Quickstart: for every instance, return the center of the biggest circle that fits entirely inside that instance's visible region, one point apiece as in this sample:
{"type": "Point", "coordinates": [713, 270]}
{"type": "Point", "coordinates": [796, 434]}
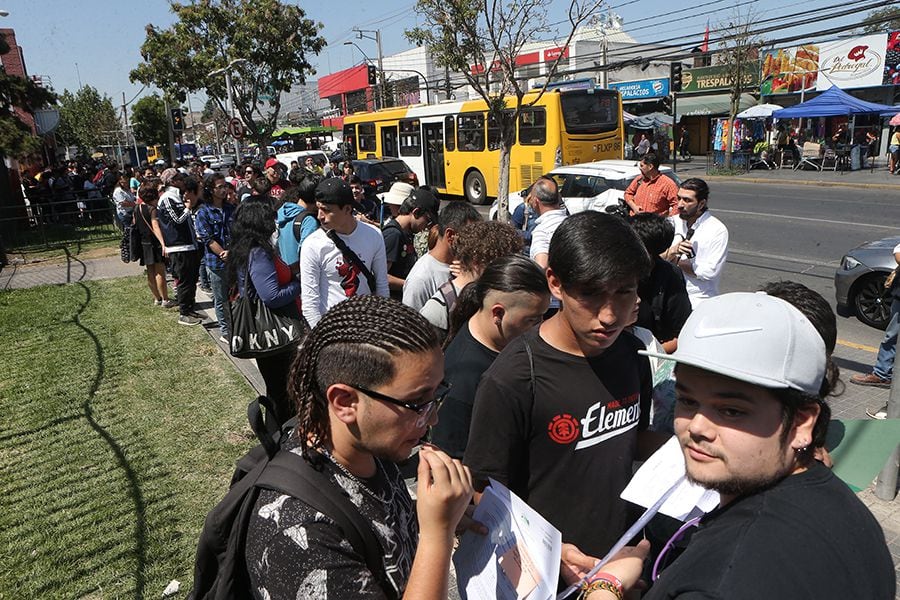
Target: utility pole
{"type": "Point", "coordinates": [169, 130]}
{"type": "Point", "coordinates": [361, 33]}
{"type": "Point", "coordinates": [137, 157]}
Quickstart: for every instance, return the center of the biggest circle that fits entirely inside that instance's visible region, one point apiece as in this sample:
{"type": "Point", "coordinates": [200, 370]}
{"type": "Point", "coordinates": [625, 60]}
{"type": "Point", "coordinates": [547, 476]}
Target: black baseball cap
{"type": "Point", "coordinates": [334, 190]}
{"type": "Point", "coordinates": [423, 199]}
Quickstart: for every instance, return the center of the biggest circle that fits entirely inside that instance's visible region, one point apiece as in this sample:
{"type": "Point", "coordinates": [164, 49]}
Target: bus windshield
{"type": "Point", "coordinates": [590, 111]}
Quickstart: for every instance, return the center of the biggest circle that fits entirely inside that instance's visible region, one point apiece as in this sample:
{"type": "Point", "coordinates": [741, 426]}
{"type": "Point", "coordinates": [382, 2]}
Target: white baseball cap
{"type": "Point", "coordinates": [399, 192]}
{"type": "Point", "coordinates": [752, 337]}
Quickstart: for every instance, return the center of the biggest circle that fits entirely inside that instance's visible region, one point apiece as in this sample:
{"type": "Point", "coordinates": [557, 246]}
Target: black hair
{"type": "Point", "coordinates": [656, 232]}
{"type": "Point", "coordinates": [209, 182]}
{"type": "Point", "coordinates": [651, 159]}
{"type": "Point", "coordinates": [178, 177]}
{"type": "Point", "coordinates": [698, 186]}
{"type": "Point", "coordinates": [592, 252]}
{"type": "Point", "coordinates": [455, 214]}
{"type": "Point", "coordinates": [261, 186]}
{"type": "Point", "coordinates": [510, 274]}
{"type": "Point", "coordinates": [355, 343]}
{"type": "Point", "coordinates": [252, 226]}
{"type": "Point", "coordinates": [149, 190]}
{"type": "Point", "coordinates": [817, 310]}
{"type": "Point", "coordinates": [354, 179]}
{"type": "Point", "coordinates": [306, 188]}
{"type": "Point", "coordinates": [191, 184]}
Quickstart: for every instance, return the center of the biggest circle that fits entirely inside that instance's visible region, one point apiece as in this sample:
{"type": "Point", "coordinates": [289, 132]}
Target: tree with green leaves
{"type": "Point", "coordinates": [151, 124]}
{"type": "Point", "coordinates": [16, 139]}
{"type": "Point", "coordinates": [739, 53]}
{"type": "Point", "coordinates": [273, 41]}
{"type": "Point", "coordinates": [881, 20]}
{"type": "Point", "coordinates": [490, 35]}
{"type": "Point", "coordinates": [87, 120]}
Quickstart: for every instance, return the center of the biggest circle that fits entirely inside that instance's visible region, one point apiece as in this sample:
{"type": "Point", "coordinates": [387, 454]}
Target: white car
{"type": "Point", "coordinates": [209, 158]}
{"type": "Point", "coordinates": [590, 186]}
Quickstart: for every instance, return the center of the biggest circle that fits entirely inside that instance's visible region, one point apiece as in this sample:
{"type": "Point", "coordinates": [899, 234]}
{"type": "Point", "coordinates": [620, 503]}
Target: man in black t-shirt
{"type": "Point", "coordinates": [561, 414]}
{"type": "Point", "coordinates": [418, 212]}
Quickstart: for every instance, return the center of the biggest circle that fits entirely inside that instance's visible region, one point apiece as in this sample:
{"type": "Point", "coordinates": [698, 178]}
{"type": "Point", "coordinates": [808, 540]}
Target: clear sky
{"type": "Point", "coordinates": [97, 42]}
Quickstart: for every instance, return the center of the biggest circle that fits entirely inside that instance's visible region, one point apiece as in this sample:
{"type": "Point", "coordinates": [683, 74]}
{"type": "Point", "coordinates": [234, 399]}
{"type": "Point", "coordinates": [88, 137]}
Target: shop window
{"type": "Point", "coordinates": [533, 127]}
{"type": "Point", "coordinates": [410, 138]}
{"type": "Point", "coordinates": [470, 132]}
{"type": "Point", "coordinates": [366, 134]}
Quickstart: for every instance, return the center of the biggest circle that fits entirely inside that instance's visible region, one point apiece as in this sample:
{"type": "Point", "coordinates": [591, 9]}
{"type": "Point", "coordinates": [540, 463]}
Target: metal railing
{"type": "Point", "coordinates": [58, 222]}
{"type": "Point", "coordinates": [740, 160]}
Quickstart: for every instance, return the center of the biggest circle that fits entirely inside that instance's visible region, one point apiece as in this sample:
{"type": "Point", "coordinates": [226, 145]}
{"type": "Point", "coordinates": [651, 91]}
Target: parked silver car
{"type": "Point", "coordinates": [859, 282]}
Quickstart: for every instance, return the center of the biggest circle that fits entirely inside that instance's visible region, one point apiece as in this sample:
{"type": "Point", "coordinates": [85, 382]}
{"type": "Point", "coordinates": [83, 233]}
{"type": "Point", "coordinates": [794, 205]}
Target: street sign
{"type": "Point", "coordinates": [236, 128]}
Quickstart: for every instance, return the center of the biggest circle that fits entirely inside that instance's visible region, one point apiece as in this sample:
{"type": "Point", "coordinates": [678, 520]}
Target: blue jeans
{"type": "Point", "coordinates": [220, 296]}
{"type": "Point", "coordinates": [884, 364]}
{"type": "Point", "coordinates": [204, 276]}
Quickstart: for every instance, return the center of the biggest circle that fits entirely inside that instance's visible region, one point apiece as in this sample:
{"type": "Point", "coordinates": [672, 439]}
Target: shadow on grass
{"type": "Point", "coordinates": [134, 488]}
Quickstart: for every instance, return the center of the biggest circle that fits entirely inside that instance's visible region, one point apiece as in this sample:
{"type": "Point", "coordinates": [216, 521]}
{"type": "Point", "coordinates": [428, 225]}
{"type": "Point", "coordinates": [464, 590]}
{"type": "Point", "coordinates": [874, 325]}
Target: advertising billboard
{"type": "Point", "coordinates": [854, 63]}
{"type": "Point", "coordinates": [705, 79]}
{"type": "Point", "coordinates": [642, 89]}
{"type": "Point", "coordinates": [789, 70]}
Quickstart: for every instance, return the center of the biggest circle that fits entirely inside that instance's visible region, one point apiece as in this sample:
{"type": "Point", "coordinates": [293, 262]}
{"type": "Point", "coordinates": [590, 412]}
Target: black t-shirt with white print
{"type": "Point", "coordinates": [294, 552]}
{"type": "Point", "coordinates": [567, 447]}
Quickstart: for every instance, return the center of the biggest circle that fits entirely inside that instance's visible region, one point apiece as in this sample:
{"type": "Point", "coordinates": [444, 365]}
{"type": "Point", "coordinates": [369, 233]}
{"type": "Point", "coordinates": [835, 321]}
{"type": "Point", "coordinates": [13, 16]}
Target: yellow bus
{"type": "Point", "coordinates": [154, 153]}
{"type": "Point", "coordinates": [454, 147]}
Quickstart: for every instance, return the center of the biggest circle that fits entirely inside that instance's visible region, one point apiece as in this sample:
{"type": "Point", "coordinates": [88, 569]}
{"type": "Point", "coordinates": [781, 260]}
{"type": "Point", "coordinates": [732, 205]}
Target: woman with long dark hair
{"type": "Point", "coordinates": [252, 253]}
{"type": "Point", "coordinates": [510, 297]}
{"type": "Point", "coordinates": [147, 222]}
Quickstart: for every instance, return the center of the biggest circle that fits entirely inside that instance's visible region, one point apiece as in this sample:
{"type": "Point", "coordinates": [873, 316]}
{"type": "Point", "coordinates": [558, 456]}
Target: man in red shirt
{"type": "Point", "coordinates": [651, 191]}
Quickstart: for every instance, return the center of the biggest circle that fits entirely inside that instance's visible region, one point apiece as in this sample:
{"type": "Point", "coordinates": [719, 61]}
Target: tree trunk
{"type": "Point", "coordinates": [503, 214]}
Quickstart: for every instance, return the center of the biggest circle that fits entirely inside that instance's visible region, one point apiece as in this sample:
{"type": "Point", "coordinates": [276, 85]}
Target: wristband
{"type": "Point", "coordinates": [604, 581]}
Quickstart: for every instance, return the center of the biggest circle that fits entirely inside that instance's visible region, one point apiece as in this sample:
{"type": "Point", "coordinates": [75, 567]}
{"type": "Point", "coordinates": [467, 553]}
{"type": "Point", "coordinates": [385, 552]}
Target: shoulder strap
{"type": "Point", "coordinates": [291, 474]}
{"type": "Point", "coordinates": [298, 223]}
{"type": "Point", "coordinates": [448, 293]}
{"type": "Point", "coordinates": [353, 258]}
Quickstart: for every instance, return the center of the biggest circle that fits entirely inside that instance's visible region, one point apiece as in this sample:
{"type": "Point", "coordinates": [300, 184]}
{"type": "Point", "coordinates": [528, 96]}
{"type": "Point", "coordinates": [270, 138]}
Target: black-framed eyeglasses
{"type": "Point", "coordinates": [424, 410]}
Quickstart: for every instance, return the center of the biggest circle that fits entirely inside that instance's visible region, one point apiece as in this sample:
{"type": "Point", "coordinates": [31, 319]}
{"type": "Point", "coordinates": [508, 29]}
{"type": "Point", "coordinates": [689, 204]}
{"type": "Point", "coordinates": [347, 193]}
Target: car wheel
{"type": "Point", "coordinates": [872, 303]}
{"type": "Point", "coordinates": [476, 188]}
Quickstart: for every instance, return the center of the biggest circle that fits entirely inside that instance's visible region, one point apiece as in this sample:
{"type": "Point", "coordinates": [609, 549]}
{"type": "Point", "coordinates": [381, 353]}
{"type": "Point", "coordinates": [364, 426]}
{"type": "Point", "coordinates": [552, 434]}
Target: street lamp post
{"type": "Point", "coordinates": [368, 62]}
{"type": "Point", "coordinates": [227, 71]}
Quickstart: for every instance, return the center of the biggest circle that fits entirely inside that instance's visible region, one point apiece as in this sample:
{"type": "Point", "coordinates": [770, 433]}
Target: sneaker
{"type": "Point", "coordinates": [189, 320]}
{"type": "Point", "coordinates": [168, 304]}
{"type": "Point", "coordinates": [871, 380]}
{"type": "Point", "coordinates": [205, 289]}
{"type": "Point", "coordinates": [879, 414]}
{"type": "Point", "coordinates": [157, 302]}
{"type": "Point", "coordinates": [196, 315]}
{"type": "Point", "coordinates": [223, 339]}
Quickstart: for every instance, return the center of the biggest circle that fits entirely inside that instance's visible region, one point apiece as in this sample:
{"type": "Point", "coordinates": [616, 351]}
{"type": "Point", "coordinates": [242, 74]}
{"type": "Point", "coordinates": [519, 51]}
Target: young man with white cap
{"type": "Point", "coordinates": [751, 384]}
{"type": "Point", "coordinates": [418, 212]}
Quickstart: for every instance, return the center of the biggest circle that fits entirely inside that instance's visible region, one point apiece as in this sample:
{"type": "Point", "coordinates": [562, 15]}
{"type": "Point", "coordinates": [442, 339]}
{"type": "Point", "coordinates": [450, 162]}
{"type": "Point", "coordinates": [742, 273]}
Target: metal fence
{"type": "Point", "coordinates": [59, 222]}
{"type": "Point", "coordinates": [740, 160]}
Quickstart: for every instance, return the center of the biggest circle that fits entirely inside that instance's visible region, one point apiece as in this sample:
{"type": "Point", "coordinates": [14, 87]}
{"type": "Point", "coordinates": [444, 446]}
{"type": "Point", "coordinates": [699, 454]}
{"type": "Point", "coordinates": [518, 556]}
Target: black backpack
{"type": "Point", "coordinates": [220, 570]}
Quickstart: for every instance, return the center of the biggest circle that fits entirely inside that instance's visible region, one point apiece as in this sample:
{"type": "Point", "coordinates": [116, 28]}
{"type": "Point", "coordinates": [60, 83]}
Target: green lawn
{"type": "Point", "coordinates": [118, 432]}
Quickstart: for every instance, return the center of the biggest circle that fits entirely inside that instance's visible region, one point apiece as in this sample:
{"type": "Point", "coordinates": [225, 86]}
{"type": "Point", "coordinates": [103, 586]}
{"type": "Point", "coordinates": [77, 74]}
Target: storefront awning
{"type": "Point", "coordinates": [712, 106]}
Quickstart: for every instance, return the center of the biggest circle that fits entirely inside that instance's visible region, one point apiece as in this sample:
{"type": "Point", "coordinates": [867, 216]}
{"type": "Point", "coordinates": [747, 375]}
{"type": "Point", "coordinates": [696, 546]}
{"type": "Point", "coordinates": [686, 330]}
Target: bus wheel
{"type": "Point", "coordinates": [476, 188]}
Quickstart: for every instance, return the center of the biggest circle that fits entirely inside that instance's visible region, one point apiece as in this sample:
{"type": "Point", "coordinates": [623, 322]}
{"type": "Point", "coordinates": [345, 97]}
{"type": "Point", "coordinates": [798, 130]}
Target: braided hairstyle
{"type": "Point", "coordinates": [354, 343]}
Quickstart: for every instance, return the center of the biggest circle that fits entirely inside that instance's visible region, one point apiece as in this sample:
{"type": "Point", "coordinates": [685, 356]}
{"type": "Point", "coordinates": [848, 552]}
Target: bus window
{"type": "Point", "coordinates": [493, 132]}
{"type": "Point", "coordinates": [350, 141]}
{"type": "Point", "coordinates": [366, 132]}
{"type": "Point", "coordinates": [470, 133]}
{"type": "Point", "coordinates": [449, 133]}
{"type": "Point", "coordinates": [410, 138]}
{"type": "Point", "coordinates": [533, 127]}
{"type": "Point", "coordinates": [585, 112]}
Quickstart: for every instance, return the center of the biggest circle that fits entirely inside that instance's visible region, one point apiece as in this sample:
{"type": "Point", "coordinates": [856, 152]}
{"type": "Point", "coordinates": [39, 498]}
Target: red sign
{"type": "Point", "coordinates": [552, 54]}
{"type": "Point", "coordinates": [528, 59]}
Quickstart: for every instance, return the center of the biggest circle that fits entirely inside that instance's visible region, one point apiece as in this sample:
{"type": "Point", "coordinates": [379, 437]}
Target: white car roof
{"type": "Point", "coordinates": [612, 169]}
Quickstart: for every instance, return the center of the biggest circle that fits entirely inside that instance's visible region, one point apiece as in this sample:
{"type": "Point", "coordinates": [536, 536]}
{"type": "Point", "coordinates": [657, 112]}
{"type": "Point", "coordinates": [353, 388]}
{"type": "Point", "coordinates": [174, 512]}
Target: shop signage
{"type": "Point", "coordinates": [854, 63]}
{"type": "Point", "coordinates": [716, 78]}
{"type": "Point", "coordinates": [553, 53]}
{"type": "Point", "coordinates": [642, 89]}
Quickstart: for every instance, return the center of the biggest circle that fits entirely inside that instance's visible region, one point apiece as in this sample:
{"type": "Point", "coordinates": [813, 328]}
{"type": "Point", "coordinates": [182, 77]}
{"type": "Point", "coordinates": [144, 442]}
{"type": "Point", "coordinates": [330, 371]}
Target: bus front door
{"type": "Point", "coordinates": [389, 141]}
{"type": "Point", "coordinates": [434, 155]}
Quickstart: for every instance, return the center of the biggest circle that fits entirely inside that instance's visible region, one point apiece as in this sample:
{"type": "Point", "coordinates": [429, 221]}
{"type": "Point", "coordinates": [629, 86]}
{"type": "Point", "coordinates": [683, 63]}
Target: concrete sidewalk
{"type": "Point", "coordinates": [879, 178]}
{"type": "Point", "coordinates": [851, 404]}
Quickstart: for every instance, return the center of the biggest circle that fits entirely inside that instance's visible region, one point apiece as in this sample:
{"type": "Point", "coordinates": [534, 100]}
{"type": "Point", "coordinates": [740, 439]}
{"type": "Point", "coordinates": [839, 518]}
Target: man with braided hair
{"type": "Point", "coordinates": [367, 383]}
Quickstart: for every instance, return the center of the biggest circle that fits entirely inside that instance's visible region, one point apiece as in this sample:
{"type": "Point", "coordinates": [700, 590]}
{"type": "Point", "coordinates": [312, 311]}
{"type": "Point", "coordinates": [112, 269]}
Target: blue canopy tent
{"type": "Point", "coordinates": [832, 102]}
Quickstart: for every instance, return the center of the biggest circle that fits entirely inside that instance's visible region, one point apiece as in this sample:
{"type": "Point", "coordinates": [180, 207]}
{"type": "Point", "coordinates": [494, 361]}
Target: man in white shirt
{"type": "Point", "coordinates": [546, 202]}
{"type": "Point", "coordinates": [701, 242]}
{"type": "Point", "coordinates": [330, 274]}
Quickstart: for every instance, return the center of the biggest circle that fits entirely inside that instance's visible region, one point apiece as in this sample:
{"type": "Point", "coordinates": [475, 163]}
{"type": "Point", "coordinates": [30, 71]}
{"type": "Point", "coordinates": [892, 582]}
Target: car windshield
{"type": "Point", "coordinates": [590, 111]}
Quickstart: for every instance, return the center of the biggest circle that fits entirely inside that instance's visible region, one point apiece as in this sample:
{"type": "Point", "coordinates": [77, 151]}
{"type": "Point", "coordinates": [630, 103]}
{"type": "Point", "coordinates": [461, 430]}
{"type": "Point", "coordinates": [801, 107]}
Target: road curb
{"type": "Point", "coordinates": [849, 184]}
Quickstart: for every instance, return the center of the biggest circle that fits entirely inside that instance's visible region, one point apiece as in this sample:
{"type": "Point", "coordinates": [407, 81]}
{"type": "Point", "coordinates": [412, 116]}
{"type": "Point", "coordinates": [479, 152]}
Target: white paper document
{"type": "Point", "coordinates": [519, 557]}
{"type": "Point", "coordinates": [658, 474]}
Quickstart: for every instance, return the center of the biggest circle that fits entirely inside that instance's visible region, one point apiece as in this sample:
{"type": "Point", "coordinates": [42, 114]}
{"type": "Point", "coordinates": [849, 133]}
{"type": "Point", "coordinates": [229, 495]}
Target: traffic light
{"type": "Point", "coordinates": [177, 119]}
{"type": "Point", "coordinates": [373, 74]}
{"type": "Point", "coordinates": [675, 76]}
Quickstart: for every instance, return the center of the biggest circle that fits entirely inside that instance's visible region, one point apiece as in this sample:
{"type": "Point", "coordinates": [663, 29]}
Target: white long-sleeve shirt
{"type": "Point", "coordinates": [710, 243]}
{"type": "Point", "coordinates": [327, 279]}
